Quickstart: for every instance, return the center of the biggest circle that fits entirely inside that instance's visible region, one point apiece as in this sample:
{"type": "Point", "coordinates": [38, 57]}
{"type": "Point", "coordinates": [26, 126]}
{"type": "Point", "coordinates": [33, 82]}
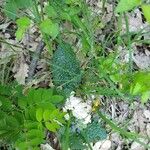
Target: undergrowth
{"type": "Point", "coordinates": [28, 113]}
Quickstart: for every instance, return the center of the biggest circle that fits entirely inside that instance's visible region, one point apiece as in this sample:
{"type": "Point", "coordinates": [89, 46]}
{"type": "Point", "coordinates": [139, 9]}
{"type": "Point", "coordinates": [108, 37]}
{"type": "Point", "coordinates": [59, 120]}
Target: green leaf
{"type": "Point", "coordinates": [146, 12]}
{"type": "Point", "coordinates": [76, 142]}
{"type": "Point", "coordinates": [50, 11]}
{"type": "Point", "coordinates": [34, 133]}
{"type": "Point", "coordinates": [32, 113]}
{"type": "Point", "coordinates": [74, 11]}
{"type": "Point", "coordinates": [66, 69]}
{"type": "Point", "coordinates": [39, 96]}
{"type": "Point", "coordinates": [10, 10]}
{"type": "Point", "coordinates": [127, 5]}
{"type": "Point", "coordinates": [46, 115]}
{"type": "Point", "coordinates": [22, 103]}
{"type": "Point", "coordinates": [94, 132]}
{"type": "Point", "coordinates": [145, 96]}
{"type": "Point", "coordinates": [12, 7]}
{"type": "Point", "coordinates": [5, 103]}
{"type": "Point", "coordinates": [22, 145]}
{"type": "Point", "coordinates": [65, 16]}
{"type": "Point", "coordinates": [31, 124]}
{"type": "Point", "coordinates": [23, 23]}
{"type": "Point", "coordinates": [57, 115]}
{"type": "Point", "coordinates": [19, 116]}
{"type": "Point", "coordinates": [56, 99]}
{"type": "Point", "coordinates": [36, 141]}
{"type": "Point", "coordinates": [50, 28]}
{"type": "Point", "coordinates": [23, 3]}
{"type": "Point", "coordinates": [136, 89]}
{"type": "Point", "coordinates": [52, 126]}
{"type": "Point", "coordinates": [12, 122]}
{"type": "Point", "coordinates": [39, 114]}
{"type": "Point", "coordinates": [20, 34]}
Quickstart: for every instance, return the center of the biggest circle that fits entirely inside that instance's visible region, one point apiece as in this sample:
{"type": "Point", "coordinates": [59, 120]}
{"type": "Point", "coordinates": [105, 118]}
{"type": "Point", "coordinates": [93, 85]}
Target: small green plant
{"type": "Point", "coordinates": [49, 19]}
{"type": "Point", "coordinates": [136, 85]}
{"type": "Point", "coordinates": [24, 119]}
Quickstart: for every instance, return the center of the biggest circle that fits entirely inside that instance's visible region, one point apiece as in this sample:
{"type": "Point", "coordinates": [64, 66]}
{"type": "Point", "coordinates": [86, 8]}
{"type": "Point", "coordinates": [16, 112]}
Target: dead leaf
{"type": "Point", "coordinates": [22, 73]}
{"type": "Point", "coordinates": [102, 145]}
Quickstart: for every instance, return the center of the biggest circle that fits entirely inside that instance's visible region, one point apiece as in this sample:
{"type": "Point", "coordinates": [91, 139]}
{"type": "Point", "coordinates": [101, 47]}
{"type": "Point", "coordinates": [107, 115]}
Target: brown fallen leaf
{"type": "Point", "coordinates": [22, 73]}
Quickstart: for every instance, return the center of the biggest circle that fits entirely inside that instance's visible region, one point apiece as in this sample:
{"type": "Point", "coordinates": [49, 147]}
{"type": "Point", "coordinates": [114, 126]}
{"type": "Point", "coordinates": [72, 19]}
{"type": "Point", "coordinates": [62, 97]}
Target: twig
{"type": "Point", "coordinates": [35, 59]}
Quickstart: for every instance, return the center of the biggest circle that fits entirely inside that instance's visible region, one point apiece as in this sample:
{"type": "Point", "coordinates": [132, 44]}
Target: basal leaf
{"type": "Point", "coordinates": [66, 70]}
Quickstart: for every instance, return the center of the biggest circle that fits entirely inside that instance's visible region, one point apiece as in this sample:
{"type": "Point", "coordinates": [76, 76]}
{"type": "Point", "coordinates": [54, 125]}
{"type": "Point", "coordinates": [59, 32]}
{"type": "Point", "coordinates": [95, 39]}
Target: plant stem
{"type": "Point", "coordinates": [129, 44]}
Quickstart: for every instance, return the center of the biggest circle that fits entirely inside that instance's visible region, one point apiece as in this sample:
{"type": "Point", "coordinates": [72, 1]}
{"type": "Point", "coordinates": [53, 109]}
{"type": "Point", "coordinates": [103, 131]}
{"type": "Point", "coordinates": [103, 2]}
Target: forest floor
{"type": "Point", "coordinates": [15, 58]}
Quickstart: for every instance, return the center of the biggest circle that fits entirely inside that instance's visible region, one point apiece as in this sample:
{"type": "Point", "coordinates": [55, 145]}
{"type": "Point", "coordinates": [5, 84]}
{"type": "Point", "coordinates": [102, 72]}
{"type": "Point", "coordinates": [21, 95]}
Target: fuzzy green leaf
{"type": "Point", "coordinates": [95, 132]}
{"type": "Point", "coordinates": [66, 70]}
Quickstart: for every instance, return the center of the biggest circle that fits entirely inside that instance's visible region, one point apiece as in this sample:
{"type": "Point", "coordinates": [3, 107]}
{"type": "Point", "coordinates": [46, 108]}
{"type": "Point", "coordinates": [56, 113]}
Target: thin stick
{"type": "Point", "coordinates": [35, 59]}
